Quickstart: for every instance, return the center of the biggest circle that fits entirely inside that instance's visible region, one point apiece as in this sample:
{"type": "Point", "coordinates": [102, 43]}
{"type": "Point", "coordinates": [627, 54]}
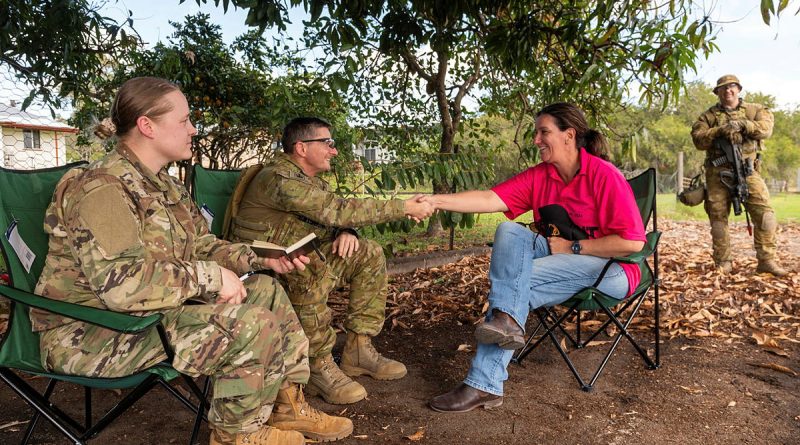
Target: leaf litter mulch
{"type": "Point", "coordinates": [729, 364]}
{"type": "Point", "coordinates": [696, 300]}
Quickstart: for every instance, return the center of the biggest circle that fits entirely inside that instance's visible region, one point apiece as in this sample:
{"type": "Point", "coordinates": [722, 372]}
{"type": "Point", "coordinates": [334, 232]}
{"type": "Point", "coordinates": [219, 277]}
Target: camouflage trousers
{"type": "Point", "coordinates": [718, 208]}
{"type": "Point", "coordinates": [308, 290]}
{"type": "Point", "coordinates": [248, 350]}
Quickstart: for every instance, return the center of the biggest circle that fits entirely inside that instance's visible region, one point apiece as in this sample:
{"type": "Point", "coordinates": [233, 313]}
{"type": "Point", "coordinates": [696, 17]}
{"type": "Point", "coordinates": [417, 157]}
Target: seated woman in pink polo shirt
{"type": "Point", "coordinates": [529, 270]}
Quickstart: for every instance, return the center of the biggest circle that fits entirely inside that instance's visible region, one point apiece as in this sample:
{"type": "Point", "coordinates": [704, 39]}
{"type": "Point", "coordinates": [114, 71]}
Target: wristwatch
{"type": "Point", "coordinates": [576, 247]}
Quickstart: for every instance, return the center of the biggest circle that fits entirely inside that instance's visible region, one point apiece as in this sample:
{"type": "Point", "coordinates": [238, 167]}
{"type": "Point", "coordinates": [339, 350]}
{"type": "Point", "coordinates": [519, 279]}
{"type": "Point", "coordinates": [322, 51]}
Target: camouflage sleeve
{"type": "Point", "coordinates": [300, 196]}
{"type": "Point", "coordinates": [234, 256]}
{"type": "Point", "coordinates": [761, 126]}
{"type": "Point", "coordinates": [703, 132]}
{"type": "Point", "coordinates": [105, 232]}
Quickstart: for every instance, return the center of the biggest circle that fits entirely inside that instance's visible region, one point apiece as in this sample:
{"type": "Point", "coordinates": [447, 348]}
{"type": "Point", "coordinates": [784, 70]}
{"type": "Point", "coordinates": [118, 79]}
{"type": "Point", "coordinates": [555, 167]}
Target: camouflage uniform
{"type": "Point", "coordinates": [125, 239]}
{"type": "Point", "coordinates": [281, 205]}
{"type": "Point", "coordinates": [758, 126]}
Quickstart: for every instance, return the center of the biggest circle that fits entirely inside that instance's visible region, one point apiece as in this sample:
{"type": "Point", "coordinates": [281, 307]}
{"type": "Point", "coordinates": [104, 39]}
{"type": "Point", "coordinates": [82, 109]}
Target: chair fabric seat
{"type": "Point", "coordinates": [587, 303]}
{"type": "Point", "coordinates": [166, 372]}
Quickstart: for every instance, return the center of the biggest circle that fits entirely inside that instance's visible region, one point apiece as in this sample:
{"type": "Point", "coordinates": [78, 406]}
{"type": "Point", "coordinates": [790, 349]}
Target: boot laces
{"type": "Point", "coordinates": [305, 408]}
{"type": "Point", "coordinates": [257, 436]}
{"type": "Point", "coordinates": [370, 348]}
{"type": "Point", "coordinates": [336, 374]}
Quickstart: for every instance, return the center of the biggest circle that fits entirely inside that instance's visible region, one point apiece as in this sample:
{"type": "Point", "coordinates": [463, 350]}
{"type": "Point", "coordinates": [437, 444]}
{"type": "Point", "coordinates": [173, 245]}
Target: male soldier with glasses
{"type": "Point", "coordinates": [283, 203]}
{"type": "Point", "coordinates": [745, 125]}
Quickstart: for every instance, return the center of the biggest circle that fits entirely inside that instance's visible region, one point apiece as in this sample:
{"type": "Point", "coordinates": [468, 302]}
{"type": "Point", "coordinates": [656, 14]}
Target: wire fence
{"type": "Point", "coordinates": [33, 138]}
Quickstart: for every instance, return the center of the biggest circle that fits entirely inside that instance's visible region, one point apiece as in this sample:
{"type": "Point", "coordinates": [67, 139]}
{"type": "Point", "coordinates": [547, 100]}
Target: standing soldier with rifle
{"type": "Point", "coordinates": [732, 134]}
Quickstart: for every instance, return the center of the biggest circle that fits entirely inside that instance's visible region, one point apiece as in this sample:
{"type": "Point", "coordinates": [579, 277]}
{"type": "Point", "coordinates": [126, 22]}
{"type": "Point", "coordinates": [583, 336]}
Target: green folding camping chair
{"type": "Point", "coordinates": [24, 197]}
{"type": "Point", "coordinates": [620, 313]}
{"type": "Point", "coordinates": [211, 191]}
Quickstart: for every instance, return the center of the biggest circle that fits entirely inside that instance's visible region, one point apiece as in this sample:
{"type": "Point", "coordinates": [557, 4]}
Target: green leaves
{"type": "Point", "coordinates": [238, 105]}
{"type": "Point", "coordinates": [59, 46]}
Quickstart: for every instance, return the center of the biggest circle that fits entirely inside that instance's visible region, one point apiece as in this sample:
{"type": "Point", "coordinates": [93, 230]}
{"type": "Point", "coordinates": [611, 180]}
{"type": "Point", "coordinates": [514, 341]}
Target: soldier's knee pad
{"type": "Point", "coordinates": [719, 229]}
{"type": "Point", "coordinates": [768, 222]}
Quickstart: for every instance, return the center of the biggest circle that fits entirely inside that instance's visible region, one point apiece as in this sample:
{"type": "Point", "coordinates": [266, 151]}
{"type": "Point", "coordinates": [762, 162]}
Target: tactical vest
{"type": "Point", "coordinates": [716, 116]}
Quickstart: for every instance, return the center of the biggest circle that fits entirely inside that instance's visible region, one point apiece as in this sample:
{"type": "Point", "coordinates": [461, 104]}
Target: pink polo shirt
{"type": "Point", "coordinates": [598, 199]}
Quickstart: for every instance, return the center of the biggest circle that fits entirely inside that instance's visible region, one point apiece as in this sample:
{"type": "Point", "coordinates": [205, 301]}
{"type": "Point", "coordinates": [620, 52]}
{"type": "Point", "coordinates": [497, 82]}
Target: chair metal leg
{"type": "Point", "coordinates": [87, 406]}
{"type": "Point", "coordinates": [202, 406]}
{"type": "Point", "coordinates": [657, 317]}
{"type": "Point", "coordinates": [549, 330]}
{"type": "Point", "coordinates": [32, 423]}
{"type": "Point", "coordinates": [122, 406]}
{"type": "Point", "coordinates": [624, 331]}
{"type": "Point", "coordinates": [42, 405]}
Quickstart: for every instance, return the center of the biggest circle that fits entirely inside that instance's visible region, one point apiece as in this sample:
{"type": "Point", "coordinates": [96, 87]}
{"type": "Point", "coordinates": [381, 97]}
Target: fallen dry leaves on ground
{"type": "Point", "coordinates": [695, 300]}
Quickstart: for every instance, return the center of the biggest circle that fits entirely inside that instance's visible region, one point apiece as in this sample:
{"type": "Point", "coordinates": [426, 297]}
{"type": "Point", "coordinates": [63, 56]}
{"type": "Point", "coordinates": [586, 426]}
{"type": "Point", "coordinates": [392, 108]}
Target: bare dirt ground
{"type": "Point", "coordinates": [729, 375]}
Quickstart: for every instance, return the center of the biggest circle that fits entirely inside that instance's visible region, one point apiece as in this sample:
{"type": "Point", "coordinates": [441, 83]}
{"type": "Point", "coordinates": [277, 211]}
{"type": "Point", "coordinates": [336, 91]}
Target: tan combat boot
{"type": "Point", "coordinates": [292, 412]}
{"type": "Point", "coordinates": [360, 357]}
{"type": "Point", "coordinates": [328, 381]}
{"type": "Point", "coordinates": [267, 435]}
{"type": "Point", "coordinates": [770, 266]}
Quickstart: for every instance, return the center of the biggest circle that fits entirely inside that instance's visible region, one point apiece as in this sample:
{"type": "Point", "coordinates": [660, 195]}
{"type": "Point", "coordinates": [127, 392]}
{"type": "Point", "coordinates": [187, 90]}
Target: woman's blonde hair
{"type": "Point", "coordinates": [140, 96]}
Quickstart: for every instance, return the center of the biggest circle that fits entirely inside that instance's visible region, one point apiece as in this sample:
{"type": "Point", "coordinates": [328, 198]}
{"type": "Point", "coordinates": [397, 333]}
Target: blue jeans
{"type": "Point", "coordinates": [524, 276]}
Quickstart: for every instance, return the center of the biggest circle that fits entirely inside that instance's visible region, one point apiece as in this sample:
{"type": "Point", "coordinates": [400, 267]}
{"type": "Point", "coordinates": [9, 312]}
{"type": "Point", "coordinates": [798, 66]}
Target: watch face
{"type": "Point", "coordinates": [576, 247]}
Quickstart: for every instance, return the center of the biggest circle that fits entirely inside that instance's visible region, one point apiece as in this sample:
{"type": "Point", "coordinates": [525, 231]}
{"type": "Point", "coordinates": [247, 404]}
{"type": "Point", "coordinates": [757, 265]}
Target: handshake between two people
{"type": "Point", "coordinates": [418, 208]}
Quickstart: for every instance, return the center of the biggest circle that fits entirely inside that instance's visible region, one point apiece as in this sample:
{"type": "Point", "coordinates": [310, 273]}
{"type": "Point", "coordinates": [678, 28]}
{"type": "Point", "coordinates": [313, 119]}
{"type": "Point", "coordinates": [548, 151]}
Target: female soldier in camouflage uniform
{"type": "Point", "coordinates": [125, 236]}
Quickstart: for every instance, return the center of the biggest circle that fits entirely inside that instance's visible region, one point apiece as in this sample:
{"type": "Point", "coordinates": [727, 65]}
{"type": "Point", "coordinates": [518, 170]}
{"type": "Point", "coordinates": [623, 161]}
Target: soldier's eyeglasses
{"type": "Point", "coordinates": [328, 141]}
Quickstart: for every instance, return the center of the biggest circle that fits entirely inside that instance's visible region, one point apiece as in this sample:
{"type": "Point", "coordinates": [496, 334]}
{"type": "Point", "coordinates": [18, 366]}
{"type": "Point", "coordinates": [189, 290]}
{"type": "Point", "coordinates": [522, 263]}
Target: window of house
{"type": "Point", "coordinates": [32, 139]}
{"type": "Point", "coordinates": [370, 154]}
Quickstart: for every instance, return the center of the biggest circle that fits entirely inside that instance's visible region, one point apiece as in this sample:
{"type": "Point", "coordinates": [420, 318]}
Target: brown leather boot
{"type": "Point", "coordinates": [292, 412]}
{"type": "Point", "coordinates": [771, 266]}
{"type": "Point", "coordinates": [464, 398]}
{"type": "Point", "coordinates": [265, 436]}
{"type": "Point", "coordinates": [360, 357]}
{"type": "Point", "coordinates": [329, 382]}
{"type": "Point", "coordinates": [501, 330]}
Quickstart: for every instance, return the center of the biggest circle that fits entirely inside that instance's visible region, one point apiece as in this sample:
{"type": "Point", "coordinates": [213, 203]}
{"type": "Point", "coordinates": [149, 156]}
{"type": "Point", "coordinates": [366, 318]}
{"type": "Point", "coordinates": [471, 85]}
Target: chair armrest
{"type": "Point", "coordinates": [649, 247]}
{"type": "Point", "coordinates": [117, 321]}
{"type": "Point", "coordinates": [634, 258]}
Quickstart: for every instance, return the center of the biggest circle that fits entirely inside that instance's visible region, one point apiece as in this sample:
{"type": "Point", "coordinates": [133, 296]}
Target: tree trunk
{"type": "Point", "coordinates": [448, 131]}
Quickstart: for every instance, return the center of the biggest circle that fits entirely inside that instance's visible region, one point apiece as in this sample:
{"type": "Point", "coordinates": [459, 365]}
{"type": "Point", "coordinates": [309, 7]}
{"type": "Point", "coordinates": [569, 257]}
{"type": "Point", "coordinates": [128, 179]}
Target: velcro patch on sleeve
{"type": "Point", "coordinates": [110, 220]}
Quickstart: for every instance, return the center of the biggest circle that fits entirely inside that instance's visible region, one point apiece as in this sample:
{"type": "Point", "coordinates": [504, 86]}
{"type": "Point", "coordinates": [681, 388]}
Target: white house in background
{"type": "Point", "coordinates": [373, 152]}
{"type": "Point", "coordinates": [30, 141]}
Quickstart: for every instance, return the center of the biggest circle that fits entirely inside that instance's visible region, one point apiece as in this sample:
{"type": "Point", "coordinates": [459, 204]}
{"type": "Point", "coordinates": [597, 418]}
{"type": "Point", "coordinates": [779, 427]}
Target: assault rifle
{"type": "Point", "coordinates": [736, 178]}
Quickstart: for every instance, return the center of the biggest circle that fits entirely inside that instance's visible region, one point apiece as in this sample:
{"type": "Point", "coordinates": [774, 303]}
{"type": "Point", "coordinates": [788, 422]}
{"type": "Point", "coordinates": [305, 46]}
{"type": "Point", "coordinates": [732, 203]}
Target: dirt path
{"type": "Point", "coordinates": [706, 392]}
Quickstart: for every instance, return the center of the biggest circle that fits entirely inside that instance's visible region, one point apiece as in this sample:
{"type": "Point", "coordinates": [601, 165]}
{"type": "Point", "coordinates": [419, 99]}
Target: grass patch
{"type": "Point", "coordinates": [786, 205]}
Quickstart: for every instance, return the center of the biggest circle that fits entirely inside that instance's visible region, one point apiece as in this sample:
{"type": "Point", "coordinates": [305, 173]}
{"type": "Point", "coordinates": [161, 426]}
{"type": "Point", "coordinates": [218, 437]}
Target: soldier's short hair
{"type": "Point", "coordinates": [301, 128]}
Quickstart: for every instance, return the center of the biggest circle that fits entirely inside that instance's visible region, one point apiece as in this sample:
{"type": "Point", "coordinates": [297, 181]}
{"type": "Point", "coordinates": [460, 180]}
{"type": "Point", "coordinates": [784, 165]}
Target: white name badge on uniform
{"type": "Point", "coordinates": [207, 214]}
{"type": "Point", "coordinates": [24, 253]}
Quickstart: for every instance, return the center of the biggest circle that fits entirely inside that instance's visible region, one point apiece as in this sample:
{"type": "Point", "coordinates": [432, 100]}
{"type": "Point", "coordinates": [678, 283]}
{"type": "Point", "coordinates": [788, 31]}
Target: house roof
{"type": "Point", "coordinates": [15, 118]}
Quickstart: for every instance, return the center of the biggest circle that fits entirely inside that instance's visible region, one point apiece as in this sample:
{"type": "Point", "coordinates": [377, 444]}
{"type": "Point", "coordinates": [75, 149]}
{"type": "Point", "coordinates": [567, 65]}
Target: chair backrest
{"type": "Point", "coordinates": [24, 197]}
{"type": "Point", "coordinates": [213, 189]}
{"type": "Point", "coordinates": [644, 190]}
